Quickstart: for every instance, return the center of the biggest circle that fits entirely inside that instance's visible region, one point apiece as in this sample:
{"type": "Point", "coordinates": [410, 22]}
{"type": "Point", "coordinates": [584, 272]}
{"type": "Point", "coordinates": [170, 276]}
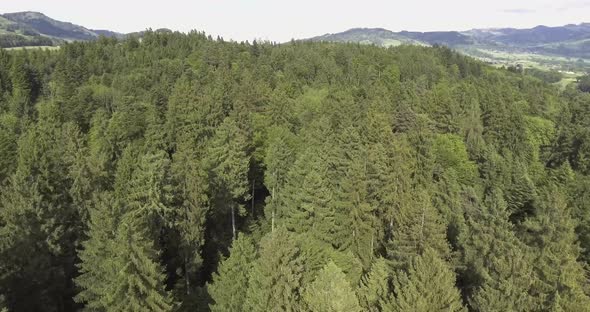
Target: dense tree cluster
{"type": "Point", "coordinates": [177, 172]}
{"type": "Point", "coordinates": [584, 83]}
{"type": "Point", "coordinates": [11, 40]}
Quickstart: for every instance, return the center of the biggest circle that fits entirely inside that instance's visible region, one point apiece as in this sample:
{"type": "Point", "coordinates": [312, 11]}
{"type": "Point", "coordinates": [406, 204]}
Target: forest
{"type": "Point", "coordinates": [181, 172]}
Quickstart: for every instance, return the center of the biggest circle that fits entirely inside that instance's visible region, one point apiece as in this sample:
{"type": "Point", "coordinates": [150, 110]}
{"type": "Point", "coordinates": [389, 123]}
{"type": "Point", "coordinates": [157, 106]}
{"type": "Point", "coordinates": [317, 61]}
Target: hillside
{"type": "Point", "coordinates": [36, 29]}
{"type": "Point", "coordinates": [564, 48]}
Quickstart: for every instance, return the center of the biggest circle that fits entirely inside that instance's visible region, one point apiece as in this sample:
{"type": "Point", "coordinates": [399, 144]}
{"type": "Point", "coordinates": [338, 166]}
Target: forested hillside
{"type": "Point", "coordinates": [22, 29]}
{"type": "Point", "coordinates": [183, 173]}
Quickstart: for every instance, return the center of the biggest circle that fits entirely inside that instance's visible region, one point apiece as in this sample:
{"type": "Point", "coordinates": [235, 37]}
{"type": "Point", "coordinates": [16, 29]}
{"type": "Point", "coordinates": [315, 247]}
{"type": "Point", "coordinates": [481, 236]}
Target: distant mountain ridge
{"type": "Point", "coordinates": [37, 29]}
{"type": "Point", "coordinates": [524, 38]}
{"type": "Point", "coordinates": [569, 41]}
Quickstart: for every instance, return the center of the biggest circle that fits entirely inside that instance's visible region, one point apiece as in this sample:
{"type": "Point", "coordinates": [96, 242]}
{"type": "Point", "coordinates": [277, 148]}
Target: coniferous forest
{"type": "Point", "coordinates": [178, 172]}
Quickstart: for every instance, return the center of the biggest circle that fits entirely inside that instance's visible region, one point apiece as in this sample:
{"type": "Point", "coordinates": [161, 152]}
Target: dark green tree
{"type": "Point", "coordinates": [230, 283]}
{"type": "Point", "coordinates": [275, 282]}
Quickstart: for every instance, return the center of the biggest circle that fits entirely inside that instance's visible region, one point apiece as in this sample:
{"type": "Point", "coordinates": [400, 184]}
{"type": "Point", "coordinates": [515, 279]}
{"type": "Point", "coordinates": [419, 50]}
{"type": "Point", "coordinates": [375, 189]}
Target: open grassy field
{"type": "Point", "coordinates": [534, 60]}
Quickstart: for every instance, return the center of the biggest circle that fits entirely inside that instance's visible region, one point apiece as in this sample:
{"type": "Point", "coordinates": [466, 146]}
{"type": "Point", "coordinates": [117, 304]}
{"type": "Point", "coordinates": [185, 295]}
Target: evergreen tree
{"type": "Point", "coordinates": [276, 276]}
{"type": "Point", "coordinates": [498, 263]}
{"type": "Point", "coordinates": [98, 256]}
{"type": "Point", "coordinates": [229, 164]}
{"type": "Point", "coordinates": [309, 198]}
{"type": "Point", "coordinates": [8, 145]}
{"type": "Point", "coordinates": [121, 254]}
{"type": "Point", "coordinates": [330, 291]}
{"type": "Point", "coordinates": [416, 229]}
{"type": "Point", "coordinates": [375, 293]}
{"type": "Point", "coordinates": [428, 285]}
{"type": "Point", "coordinates": [139, 283]}
{"type": "Point", "coordinates": [280, 156]}
{"type": "Point", "coordinates": [230, 285]}
{"type": "Point", "coordinates": [551, 233]}
{"type": "Point", "coordinates": [359, 221]}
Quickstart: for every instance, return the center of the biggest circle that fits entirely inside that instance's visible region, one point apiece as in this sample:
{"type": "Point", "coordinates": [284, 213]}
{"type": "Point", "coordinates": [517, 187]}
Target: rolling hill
{"type": "Point", "coordinates": [564, 47]}
{"type": "Point", "coordinates": [36, 29]}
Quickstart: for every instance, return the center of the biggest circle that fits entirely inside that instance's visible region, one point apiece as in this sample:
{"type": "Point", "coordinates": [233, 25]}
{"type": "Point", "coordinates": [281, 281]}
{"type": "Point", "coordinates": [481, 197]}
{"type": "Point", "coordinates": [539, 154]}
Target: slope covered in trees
{"type": "Point", "coordinates": [183, 173]}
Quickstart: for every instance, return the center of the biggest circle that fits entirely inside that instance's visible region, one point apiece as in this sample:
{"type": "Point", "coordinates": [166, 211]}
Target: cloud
{"type": "Point", "coordinates": [519, 11]}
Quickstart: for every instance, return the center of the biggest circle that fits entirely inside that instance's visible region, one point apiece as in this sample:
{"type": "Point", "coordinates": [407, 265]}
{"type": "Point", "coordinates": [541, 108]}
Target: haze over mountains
{"type": "Point", "coordinates": [557, 47]}
{"type": "Point", "coordinates": [563, 47]}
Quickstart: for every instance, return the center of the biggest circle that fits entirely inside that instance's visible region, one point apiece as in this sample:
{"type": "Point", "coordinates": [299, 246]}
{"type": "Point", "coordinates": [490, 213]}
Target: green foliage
{"type": "Point", "coordinates": [551, 233]}
{"type": "Point", "coordinates": [499, 265]}
{"type": "Point", "coordinates": [428, 285]}
{"type": "Point", "coordinates": [330, 291]}
{"type": "Point", "coordinates": [375, 293]}
{"type": "Point", "coordinates": [230, 285]}
{"type": "Point", "coordinates": [415, 230]}
{"type": "Point", "coordinates": [584, 83]}
{"type": "Point", "coordinates": [8, 145]}
{"type": "Point", "coordinates": [275, 282]}
{"type": "Point", "coordinates": [357, 178]}
{"type": "Point", "coordinates": [546, 76]}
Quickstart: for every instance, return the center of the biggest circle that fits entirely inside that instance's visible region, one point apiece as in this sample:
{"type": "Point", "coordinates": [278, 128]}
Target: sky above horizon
{"type": "Point", "coordinates": [281, 20]}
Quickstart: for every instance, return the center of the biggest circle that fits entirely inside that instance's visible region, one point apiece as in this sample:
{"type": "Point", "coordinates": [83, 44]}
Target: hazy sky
{"type": "Point", "coordinates": [279, 20]}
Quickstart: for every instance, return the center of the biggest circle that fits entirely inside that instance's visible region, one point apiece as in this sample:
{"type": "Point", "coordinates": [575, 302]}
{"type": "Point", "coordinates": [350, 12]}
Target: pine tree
{"type": "Point", "coordinates": [375, 293]}
{"type": "Point", "coordinates": [415, 230]}
{"type": "Point", "coordinates": [230, 283]}
{"type": "Point", "coordinates": [8, 145]}
{"type": "Point", "coordinates": [428, 285]}
{"type": "Point", "coordinates": [331, 292]}
{"type": "Point", "coordinates": [357, 214]}
{"type": "Point", "coordinates": [37, 212]}
{"type": "Point", "coordinates": [139, 284]}
{"type": "Point", "coordinates": [497, 261]}
{"type": "Point", "coordinates": [229, 163]}
{"type": "Point", "coordinates": [275, 278]}
{"type": "Point", "coordinates": [551, 233]}
{"type": "Point", "coordinates": [121, 253]}
{"type": "Point", "coordinates": [310, 199]}
{"type": "Point", "coordinates": [280, 156]}
{"type": "Point", "coordinates": [192, 206]}
{"type": "Point", "coordinates": [98, 256]}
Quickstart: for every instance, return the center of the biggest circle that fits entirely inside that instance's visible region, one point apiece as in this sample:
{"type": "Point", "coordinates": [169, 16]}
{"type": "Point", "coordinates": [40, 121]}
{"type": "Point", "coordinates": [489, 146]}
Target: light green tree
{"type": "Point", "coordinates": [331, 292]}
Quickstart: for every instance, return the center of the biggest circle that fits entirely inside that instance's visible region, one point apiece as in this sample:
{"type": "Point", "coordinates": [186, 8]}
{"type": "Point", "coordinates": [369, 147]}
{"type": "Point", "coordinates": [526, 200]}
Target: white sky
{"type": "Point", "coordinates": [280, 20]}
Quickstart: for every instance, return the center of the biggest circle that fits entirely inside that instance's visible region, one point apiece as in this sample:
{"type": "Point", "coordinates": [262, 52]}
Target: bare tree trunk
{"type": "Point", "coordinates": [233, 222]}
{"type": "Point", "coordinates": [187, 281]}
{"type": "Point", "coordinates": [272, 220]}
{"type": "Point", "coordinates": [253, 181]}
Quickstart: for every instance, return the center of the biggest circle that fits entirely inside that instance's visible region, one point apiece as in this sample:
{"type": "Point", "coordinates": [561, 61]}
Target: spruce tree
{"type": "Point", "coordinates": [280, 156]}
{"type": "Point", "coordinates": [310, 199]}
{"type": "Point", "coordinates": [416, 229]}
{"type": "Point", "coordinates": [229, 163]}
{"type": "Point", "coordinates": [428, 285]}
{"type": "Point", "coordinates": [139, 283]}
{"type": "Point", "coordinates": [330, 292]}
{"type": "Point", "coordinates": [498, 264]}
{"type": "Point", "coordinates": [230, 283]}
{"type": "Point", "coordinates": [551, 232]}
{"type": "Point", "coordinates": [8, 145]}
{"type": "Point", "coordinates": [121, 253]}
{"type": "Point", "coordinates": [275, 282]}
{"type": "Point", "coordinates": [357, 215]}
{"type": "Point", "coordinates": [374, 292]}
{"type": "Point", "coordinates": [98, 266]}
